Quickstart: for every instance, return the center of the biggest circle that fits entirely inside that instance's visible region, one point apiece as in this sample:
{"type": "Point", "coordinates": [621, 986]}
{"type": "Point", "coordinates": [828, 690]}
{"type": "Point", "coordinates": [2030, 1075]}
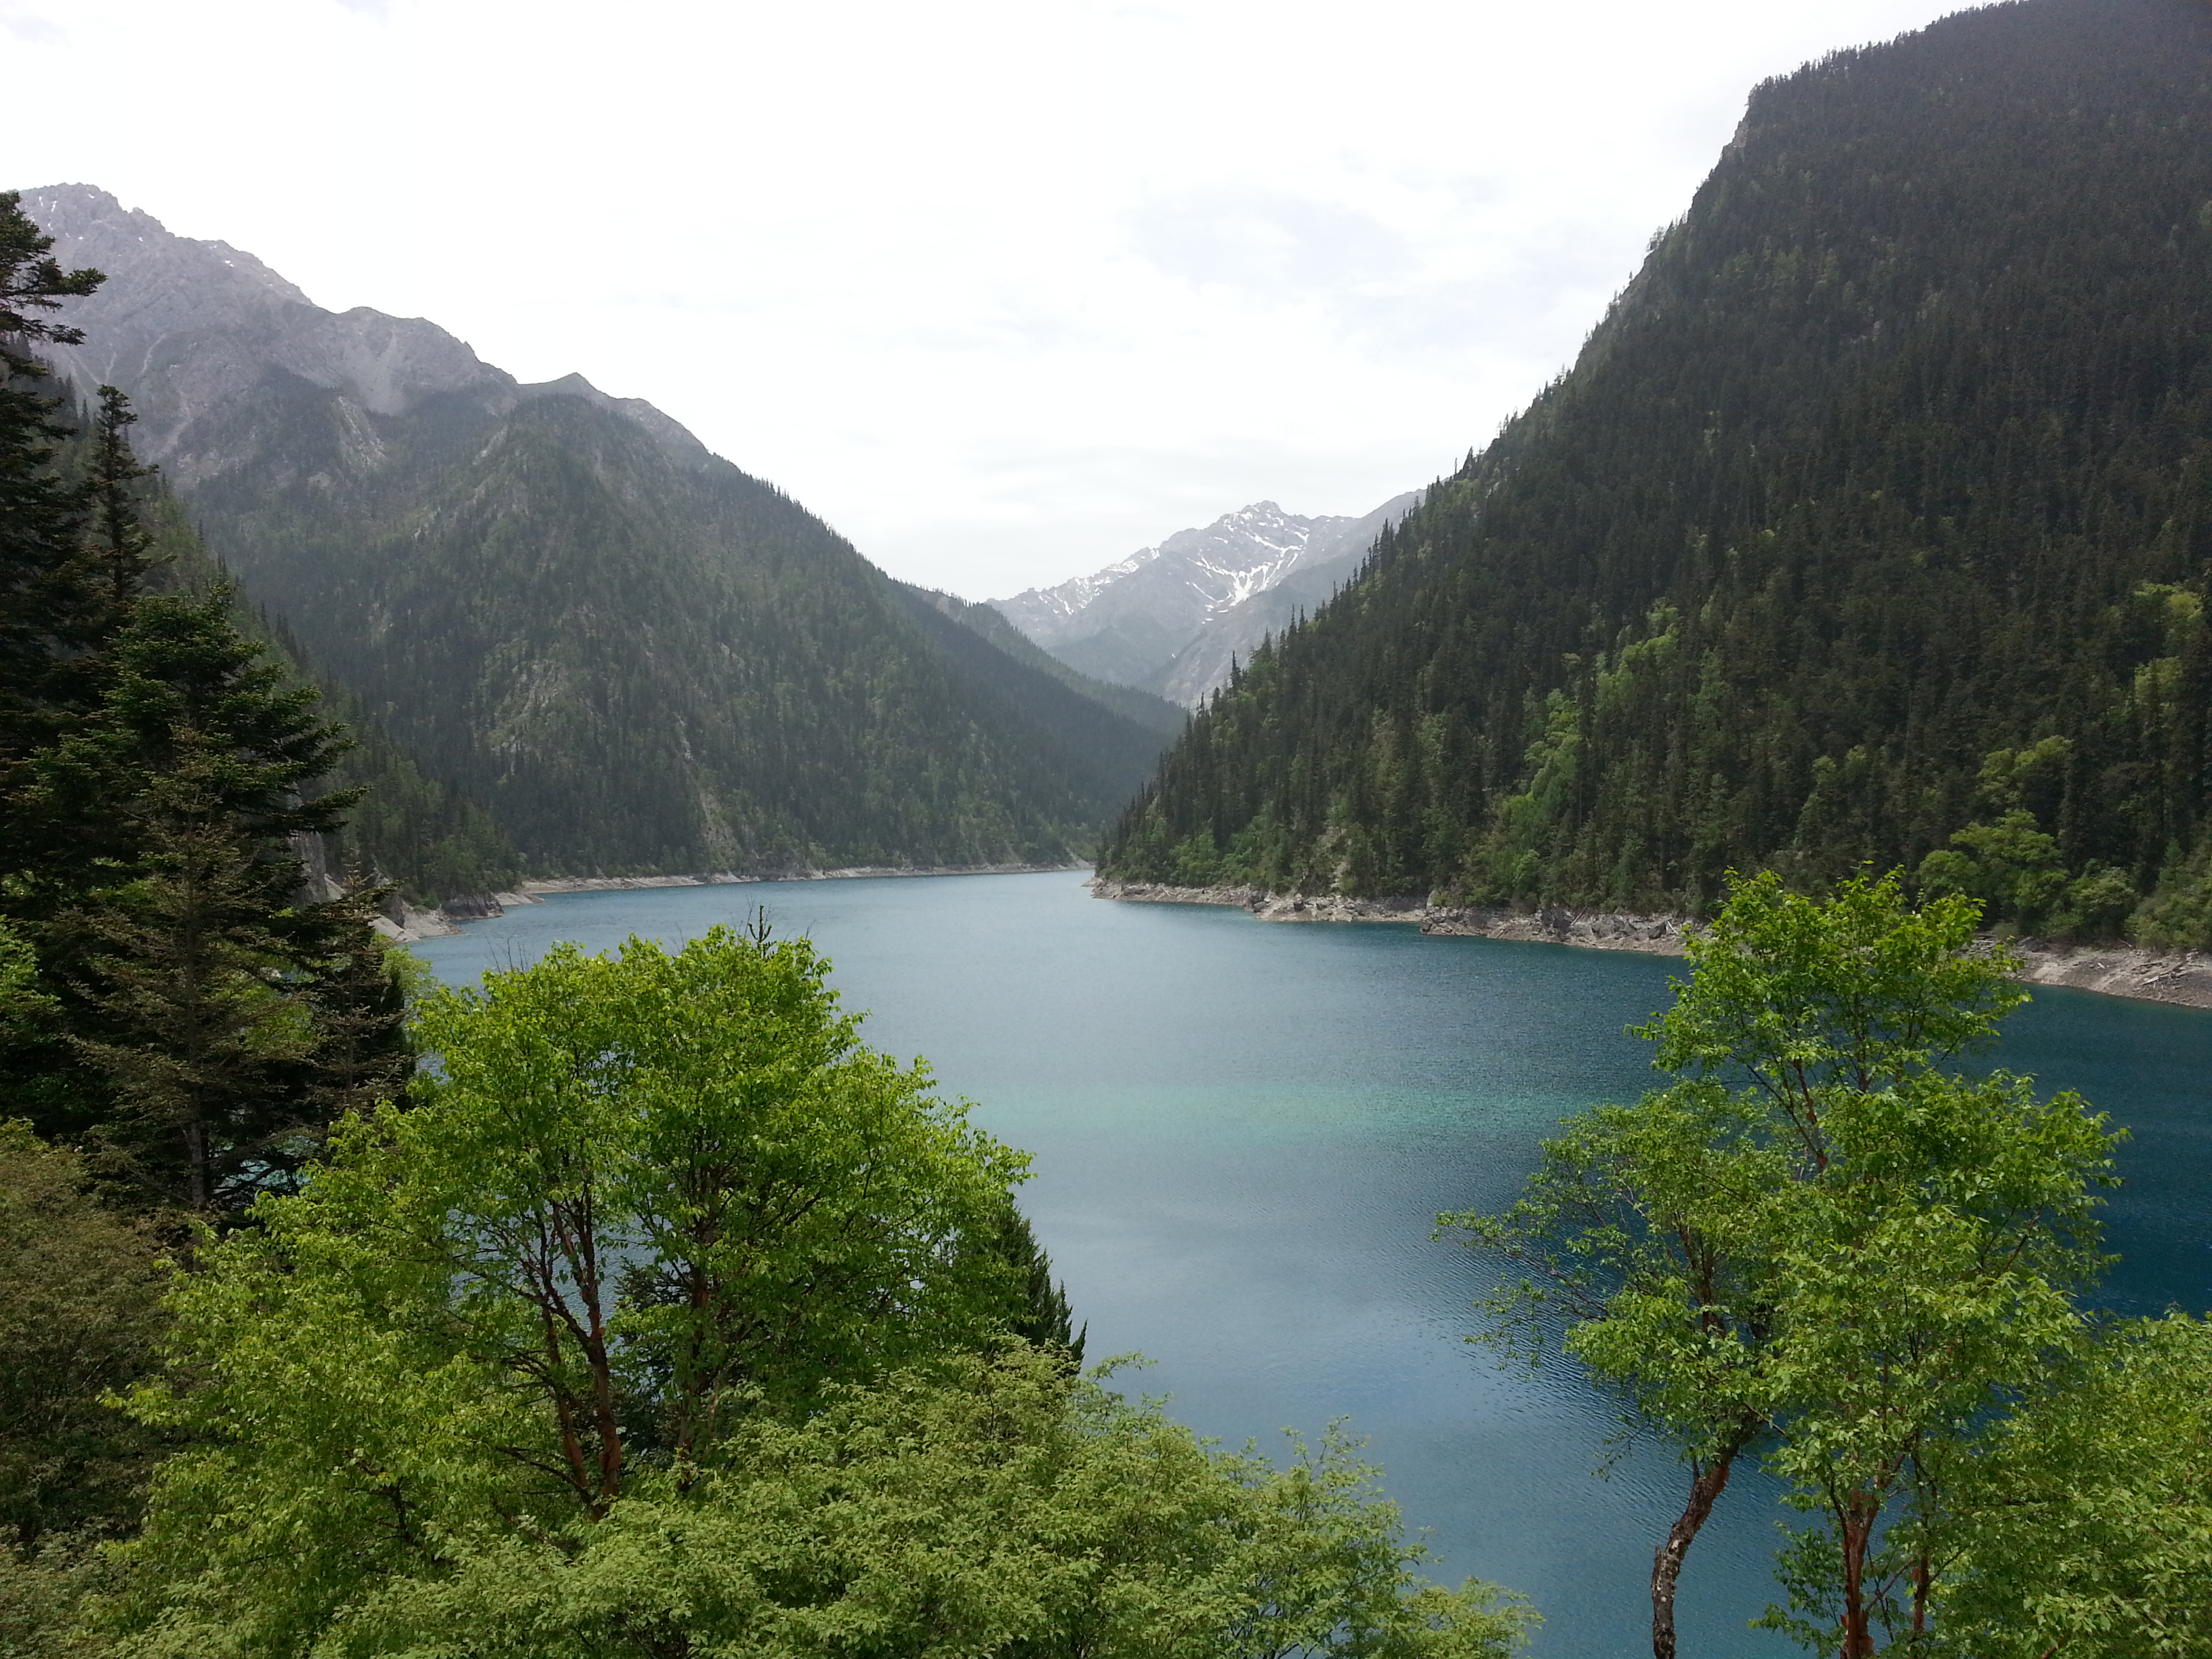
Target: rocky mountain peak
{"type": "Point", "coordinates": [188, 327]}
{"type": "Point", "coordinates": [91, 227]}
{"type": "Point", "coordinates": [1170, 619]}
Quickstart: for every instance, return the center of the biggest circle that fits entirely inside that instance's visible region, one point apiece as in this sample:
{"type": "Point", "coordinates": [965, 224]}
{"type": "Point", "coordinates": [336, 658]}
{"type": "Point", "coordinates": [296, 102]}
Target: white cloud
{"type": "Point", "coordinates": [1004, 288]}
{"type": "Point", "coordinates": [31, 27]}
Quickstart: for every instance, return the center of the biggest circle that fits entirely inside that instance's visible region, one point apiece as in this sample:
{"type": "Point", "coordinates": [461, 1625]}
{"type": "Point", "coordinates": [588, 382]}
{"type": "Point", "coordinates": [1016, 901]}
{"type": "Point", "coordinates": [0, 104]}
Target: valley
{"type": "Point", "coordinates": [599, 1068]}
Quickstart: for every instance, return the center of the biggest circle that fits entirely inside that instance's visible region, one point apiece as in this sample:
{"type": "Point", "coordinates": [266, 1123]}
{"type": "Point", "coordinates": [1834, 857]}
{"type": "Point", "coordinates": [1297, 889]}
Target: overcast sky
{"type": "Point", "coordinates": [1003, 291]}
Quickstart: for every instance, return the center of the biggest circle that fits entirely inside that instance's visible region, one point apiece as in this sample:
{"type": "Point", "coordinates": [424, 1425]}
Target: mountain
{"type": "Point", "coordinates": [1141, 708]}
{"type": "Point", "coordinates": [635, 656]}
{"type": "Point", "coordinates": [1171, 619]}
{"type": "Point", "coordinates": [1873, 526]}
{"type": "Point", "coordinates": [428, 841]}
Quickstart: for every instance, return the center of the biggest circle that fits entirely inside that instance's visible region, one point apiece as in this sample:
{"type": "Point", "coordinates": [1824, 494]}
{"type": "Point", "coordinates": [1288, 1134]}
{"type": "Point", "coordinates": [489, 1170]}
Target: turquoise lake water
{"type": "Point", "coordinates": [1242, 1130]}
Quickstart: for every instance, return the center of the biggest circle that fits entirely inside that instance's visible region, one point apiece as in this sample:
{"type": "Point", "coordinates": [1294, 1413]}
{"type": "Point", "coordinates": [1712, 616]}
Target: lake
{"type": "Point", "coordinates": [1243, 1129]}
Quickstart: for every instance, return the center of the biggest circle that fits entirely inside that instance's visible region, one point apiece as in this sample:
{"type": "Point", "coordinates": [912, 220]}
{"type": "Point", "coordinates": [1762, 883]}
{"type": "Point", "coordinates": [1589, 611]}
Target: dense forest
{"type": "Point", "coordinates": [428, 841]}
{"type": "Point", "coordinates": [1872, 526]}
{"type": "Point", "coordinates": [629, 1306]}
{"type": "Point", "coordinates": [638, 666]}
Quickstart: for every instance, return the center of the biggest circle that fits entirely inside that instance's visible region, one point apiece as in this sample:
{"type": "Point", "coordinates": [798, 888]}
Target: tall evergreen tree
{"type": "Point", "coordinates": [228, 1018]}
{"type": "Point", "coordinates": [50, 613]}
{"type": "Point", "coordinates": [121, 544]}
{"type": "Point", "coordinates": [202, 1019]}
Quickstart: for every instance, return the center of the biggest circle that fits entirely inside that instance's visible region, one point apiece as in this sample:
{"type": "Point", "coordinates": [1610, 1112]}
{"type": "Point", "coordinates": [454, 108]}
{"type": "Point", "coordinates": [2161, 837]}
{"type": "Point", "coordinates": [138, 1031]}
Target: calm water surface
{"type": "Point", "coordinates": [1243, 1129]}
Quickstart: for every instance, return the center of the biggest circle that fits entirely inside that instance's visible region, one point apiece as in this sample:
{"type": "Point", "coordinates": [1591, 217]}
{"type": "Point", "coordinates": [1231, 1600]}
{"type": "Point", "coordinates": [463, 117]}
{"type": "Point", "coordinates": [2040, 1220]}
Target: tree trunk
{"type": "Point", "coordinates": [1705, 1485]}
{"type": "Point", "coordinates": [198, 1188]}
{"type": "Point", "coordinates": [1855, 1534]}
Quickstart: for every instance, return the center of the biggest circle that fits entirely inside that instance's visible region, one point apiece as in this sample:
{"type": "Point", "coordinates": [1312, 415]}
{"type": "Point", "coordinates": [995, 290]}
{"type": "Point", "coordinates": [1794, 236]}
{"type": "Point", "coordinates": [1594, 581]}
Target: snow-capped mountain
{"type": "Point", "coordinates": [1170, 619]}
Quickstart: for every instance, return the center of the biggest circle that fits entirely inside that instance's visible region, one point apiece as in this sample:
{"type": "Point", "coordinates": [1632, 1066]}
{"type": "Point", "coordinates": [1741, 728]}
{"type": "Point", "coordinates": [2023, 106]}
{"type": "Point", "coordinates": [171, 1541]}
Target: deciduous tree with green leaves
{"type": "Point", "coordinates": [1818, 1238]}
{"type": "Point", "coordinates": [1930, 1280]}
{"type": "Point", "coordinates": [637, 1198]}
{"type": "Point", "coordinates": [670, 1317]}
{"type": "Point", "coordinates": [993, 1503]}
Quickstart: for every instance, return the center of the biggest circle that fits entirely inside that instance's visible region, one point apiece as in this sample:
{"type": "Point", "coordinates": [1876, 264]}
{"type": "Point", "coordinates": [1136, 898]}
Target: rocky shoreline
{"type": "Point", "coordinates": [2182, 977]}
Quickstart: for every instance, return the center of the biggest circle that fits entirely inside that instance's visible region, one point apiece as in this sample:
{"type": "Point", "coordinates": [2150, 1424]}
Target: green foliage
{"type": "Point", "coordinates": [1860, 992]}
{"type": "Point", "coordinates": [430, 841]}
{"type": "Point", "coordinates": [1818, 1239]}
{"type": "Point", "coordinates": [670, 1316]}
{"type": "Point", "coordinates": [211, 1025]}
{"type": "Point", "coordinates": [1870, 529]}
{"type": "Point", "coordinates": [24, 1006]}
{"type": "Point", "coordinates": [48, 1594]}
{"type": "Point", "coordinates": [2085, 1524]}
{"type": "Point", "coordinates": [638, 1200]}
{"type": "Point", "coordinates": [51, 611]}
{"type": "Point", "coordinates": [2178, 912]}
{"type": "Point", "coordinates": [996, 1506]}
{"type": "Point", "coordinates": [80, 1317]}
{"type": "Point", "coordinates": [1040, 1314]}
{"type": "Point", "coordinates": [187, 1010]}
{"type": "Point", "coordinates": [121, 545]}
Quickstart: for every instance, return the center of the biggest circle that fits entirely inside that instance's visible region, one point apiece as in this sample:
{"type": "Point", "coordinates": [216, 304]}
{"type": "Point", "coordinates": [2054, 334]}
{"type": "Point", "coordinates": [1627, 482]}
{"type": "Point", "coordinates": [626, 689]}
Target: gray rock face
{"type": "Point", "coordinates": [191, 327]}
{"type": "Point", "coordinates": [1171, 619]}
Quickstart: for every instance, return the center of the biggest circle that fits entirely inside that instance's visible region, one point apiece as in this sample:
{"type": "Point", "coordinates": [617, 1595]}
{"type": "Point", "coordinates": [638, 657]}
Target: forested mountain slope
{"type": "Point", "coordinates": [636, 656]}
{"type": "Point", "coordinates": [1872, 525]}
{"type": "Point", "coordinates": [427, 841]}
{"type": "Point", "coordinates": [1153, 713]}
{"type": "Point", "coordinates": [1114, 730]}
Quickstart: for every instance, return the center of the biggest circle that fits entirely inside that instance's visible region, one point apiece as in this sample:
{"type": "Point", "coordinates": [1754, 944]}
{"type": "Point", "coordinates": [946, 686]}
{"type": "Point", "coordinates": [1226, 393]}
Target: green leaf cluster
{"type": "Point", "coordinates": [996, 1504]}
{"type": "Point", "coordinates": [80, 1317]}
{"type": "Point", "coordinates": [2085, 1524]}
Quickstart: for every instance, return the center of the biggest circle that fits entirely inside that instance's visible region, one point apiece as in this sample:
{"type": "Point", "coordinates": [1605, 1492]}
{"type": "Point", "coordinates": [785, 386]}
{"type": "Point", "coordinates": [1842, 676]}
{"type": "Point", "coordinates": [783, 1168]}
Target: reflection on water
{"type": "Point", "coordinates": [1243, 1129]}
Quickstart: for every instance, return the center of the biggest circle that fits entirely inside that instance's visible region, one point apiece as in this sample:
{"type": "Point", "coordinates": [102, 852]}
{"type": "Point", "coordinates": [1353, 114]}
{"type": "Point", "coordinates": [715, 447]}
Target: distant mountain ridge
{"type": "Point", "coordinates": [639, 659]}
{"type": "Point", "coordinates": [188, 326]}
{"type": "Point", "coordinates": [1170, 619]}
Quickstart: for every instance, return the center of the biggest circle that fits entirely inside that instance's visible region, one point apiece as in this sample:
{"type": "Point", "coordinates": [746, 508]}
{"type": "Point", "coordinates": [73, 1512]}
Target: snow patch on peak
{"type": "Point", "coordinates": [1133, 621]}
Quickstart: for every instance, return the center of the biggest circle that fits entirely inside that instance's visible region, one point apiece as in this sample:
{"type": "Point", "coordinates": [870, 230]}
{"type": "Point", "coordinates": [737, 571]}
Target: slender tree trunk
{"type": "Point", "coordinates": [1707, 1480]}
{"type": "Point", "coordinates": [1857, 1533]}
{"type": "Point", "coordinates": [198, 1187]}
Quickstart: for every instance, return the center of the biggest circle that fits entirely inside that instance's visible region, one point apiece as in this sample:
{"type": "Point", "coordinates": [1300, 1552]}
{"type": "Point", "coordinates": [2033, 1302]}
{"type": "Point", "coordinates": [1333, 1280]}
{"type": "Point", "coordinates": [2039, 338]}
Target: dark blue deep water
{"type": "Point", "coordinates": [1243, 1129]}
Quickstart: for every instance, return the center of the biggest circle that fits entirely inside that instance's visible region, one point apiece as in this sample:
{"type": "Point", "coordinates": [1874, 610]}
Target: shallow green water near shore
{"type": "Point", "coordinates": [1242, 1129]}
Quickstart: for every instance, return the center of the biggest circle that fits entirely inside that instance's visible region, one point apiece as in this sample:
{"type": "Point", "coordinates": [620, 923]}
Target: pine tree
{"type": "Point", "coordinates": [228, 1016]}
{"type": "Point", "coordinates": [50, 614]}
{"type": "Point", "coordinates": [121, 545]}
